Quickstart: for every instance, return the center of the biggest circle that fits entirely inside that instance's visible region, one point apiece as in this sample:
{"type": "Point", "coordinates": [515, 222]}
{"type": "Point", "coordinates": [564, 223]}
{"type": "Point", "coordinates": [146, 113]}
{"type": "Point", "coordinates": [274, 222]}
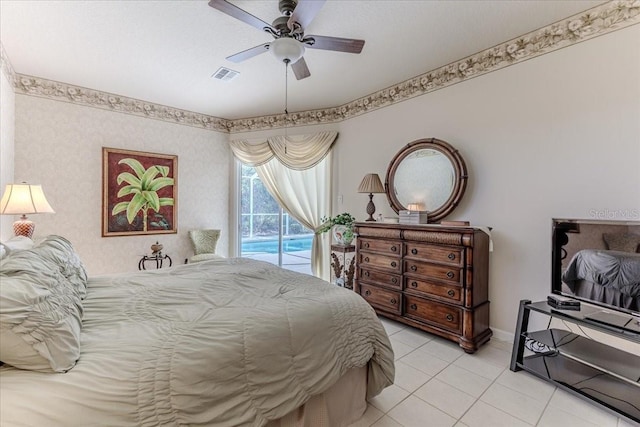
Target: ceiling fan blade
{"type": "Point", "coordinates": [234, 11]}
{"type": "Point", "coordinates": [304, 12]}
{"type": "Point", "coordinates": [249, 53]}
{"type": "Point", "coordinates": [334, 43]}
{"type": "Point", "coordinates": [300, 69]}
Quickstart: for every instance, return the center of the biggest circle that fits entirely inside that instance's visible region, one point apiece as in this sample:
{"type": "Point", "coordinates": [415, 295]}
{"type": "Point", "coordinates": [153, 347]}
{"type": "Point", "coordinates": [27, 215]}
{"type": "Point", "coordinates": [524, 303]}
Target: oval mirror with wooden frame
{"type": "Point", "coordinates": [427, 175]}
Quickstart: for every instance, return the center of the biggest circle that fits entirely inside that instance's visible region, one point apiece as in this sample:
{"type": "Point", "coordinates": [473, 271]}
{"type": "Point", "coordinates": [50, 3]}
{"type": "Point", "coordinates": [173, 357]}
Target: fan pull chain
{"type": "Point", "coordinates": [286, 102]}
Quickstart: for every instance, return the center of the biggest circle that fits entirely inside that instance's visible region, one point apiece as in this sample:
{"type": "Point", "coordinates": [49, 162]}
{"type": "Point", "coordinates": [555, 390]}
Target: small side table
{"type": "Point", "coordinates": [343, 265]}
{"type": "Point", "coordinates": [158, 258]}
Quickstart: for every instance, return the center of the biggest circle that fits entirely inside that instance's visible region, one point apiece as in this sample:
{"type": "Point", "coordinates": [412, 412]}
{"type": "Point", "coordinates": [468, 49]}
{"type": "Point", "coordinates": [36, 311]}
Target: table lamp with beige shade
{"type": "Point", "coordinates": [22, 199]}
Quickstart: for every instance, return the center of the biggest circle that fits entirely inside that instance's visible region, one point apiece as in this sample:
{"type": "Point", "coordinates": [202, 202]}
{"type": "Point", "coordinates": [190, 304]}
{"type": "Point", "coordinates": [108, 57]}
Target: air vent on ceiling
{"type": "Point", "coordinates": [225, 74]}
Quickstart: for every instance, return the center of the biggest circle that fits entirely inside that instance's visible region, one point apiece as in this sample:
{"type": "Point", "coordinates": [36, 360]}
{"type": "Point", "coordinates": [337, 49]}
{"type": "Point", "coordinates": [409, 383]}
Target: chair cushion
{"type": "Point", "coordinates": [204, 241]}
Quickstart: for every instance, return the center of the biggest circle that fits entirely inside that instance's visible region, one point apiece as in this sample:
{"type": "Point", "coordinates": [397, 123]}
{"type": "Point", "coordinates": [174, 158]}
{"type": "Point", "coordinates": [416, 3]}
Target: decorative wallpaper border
{"type": "Point", "coordinates": [594, 22]}
{"type": "Point", "coordinates": [44, 88]}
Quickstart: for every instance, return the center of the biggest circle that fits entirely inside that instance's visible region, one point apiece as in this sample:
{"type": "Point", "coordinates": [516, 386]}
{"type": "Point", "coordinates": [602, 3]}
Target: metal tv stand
{"type": "Point", "coordinates": [580, 365]}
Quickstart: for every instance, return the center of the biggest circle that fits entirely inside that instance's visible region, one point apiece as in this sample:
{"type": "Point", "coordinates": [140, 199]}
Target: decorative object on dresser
{"type": "Point", "coordinates": [431, 277]}
{"type": "Point", "coordinates": [413, 217]}
{"type": "Point", "coordinates": [22, 199]}
{"type": "Point", "coordinates": [428, 173]}
{"type": "Point", "coordinates": [371, 184]}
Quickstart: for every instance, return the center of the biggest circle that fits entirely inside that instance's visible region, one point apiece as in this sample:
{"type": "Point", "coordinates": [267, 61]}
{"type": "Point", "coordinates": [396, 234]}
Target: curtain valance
{"type": "Point", "coordinates": [298, 152]}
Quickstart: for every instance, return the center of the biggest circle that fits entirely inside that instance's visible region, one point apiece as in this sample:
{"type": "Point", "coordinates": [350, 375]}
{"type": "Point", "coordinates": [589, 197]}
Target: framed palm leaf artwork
{"type": "Point", "coordinates": [139, 192]}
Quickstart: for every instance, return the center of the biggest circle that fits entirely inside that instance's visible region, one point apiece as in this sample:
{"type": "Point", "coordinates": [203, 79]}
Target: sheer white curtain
{"type": "Point", "coordinates": [296, 170]}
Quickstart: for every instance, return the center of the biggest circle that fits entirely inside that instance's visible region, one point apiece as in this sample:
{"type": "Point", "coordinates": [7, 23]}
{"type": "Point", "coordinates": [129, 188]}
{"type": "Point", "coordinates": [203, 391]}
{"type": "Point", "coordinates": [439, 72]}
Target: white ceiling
{"type": "Point", "coordinates": [166, 51]}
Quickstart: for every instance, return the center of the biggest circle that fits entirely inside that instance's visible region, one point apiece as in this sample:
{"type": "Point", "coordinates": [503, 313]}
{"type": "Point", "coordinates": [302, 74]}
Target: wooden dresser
{"type": "Point", "coordinates": [431, 277]}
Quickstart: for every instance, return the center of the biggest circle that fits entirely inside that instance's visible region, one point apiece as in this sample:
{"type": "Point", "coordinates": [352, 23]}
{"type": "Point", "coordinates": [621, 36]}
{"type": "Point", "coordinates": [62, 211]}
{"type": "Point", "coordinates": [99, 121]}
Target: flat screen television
{"type": "Point", "coordinates": [597, 261]}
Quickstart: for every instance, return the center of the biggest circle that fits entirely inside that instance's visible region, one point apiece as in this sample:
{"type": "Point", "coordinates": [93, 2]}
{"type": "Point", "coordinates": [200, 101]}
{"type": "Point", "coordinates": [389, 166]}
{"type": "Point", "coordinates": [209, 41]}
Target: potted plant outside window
{"type": "Point", "coordinates": [341, 226]}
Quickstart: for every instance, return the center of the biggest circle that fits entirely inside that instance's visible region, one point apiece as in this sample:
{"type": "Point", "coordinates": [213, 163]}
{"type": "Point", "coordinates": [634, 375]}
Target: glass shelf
{"type": "Point", "coordinates": [584, 367]}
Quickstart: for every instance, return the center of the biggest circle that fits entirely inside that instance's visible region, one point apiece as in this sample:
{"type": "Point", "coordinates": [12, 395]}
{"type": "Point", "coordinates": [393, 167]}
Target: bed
{"type": "Point", "coordinates": [224, 342]}
{"type": "Point", "coordinates": [608, 276]}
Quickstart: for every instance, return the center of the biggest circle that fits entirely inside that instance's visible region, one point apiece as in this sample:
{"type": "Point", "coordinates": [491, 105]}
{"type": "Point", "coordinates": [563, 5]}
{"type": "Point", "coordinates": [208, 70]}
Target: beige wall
{"type": "Point", "coordinates": [7, 127]}
{"type": "Point", "coordinates": [555, 136]}
{"type": "Point", "coordinates": [60, 146]}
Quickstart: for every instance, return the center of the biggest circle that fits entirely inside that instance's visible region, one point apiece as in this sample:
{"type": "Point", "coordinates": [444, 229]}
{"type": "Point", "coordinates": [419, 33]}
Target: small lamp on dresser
{"type": "Point", "coordinates": [371, 184]}
{"type": "Point", "coordinates": [22, 199]}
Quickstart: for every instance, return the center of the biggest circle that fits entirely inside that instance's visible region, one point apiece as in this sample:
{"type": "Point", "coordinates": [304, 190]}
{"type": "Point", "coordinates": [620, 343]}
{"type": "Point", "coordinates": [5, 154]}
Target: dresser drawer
{"type": "Point", "coordinates": [383, 299]}
{"type": "Point", "coordinates": [446, 292]}
{"type": "Point", "coordinates": [439, 254]}
{"type": "Point", "coordinates": [380, 262]}
{"type": "Point", "coordinates": [434, 271]}
{"type": "Point", "coordinates": [440, 315]}
{"type": "Point", "coordinates": [390, 247]}
{"type": "Point", "coordinates": [380, 278]}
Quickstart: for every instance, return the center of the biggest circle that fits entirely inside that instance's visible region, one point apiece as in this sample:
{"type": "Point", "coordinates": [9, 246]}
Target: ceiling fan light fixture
{"type": "Point", "coordinates": [286, 49]}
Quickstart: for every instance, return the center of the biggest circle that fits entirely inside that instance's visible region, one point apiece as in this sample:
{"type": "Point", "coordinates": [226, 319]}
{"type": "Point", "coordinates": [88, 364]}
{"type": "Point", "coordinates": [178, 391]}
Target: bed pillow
{"type": "Point", "coordinates": [18, 243]}
{"type": "Point", "coordinates": [624, 242]}
{"type": "Point", "coordinates": [60, 251]}
{"type": "Point", "coordinates": [41, 307]}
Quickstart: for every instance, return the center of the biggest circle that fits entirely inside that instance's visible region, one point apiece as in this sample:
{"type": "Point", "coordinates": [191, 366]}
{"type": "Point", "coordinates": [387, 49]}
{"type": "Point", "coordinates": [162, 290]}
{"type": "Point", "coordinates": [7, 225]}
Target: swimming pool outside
{"type": "Point", "coordinates": [269, 245]}
{"type": "Point", "coordinates": [296, 253]}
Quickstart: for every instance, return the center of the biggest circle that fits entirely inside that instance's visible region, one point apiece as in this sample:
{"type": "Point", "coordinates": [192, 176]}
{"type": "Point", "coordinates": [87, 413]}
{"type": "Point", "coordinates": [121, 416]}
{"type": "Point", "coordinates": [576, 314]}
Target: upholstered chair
{"type": "Point", "coordinates": [204, 244]}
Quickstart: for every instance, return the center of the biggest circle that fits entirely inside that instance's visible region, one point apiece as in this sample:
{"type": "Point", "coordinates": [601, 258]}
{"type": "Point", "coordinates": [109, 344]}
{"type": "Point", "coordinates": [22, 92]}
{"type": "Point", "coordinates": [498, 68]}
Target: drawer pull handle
{"type": "Point", "coordinates": [413, 268]}
{"type": "Point", "coordinates": [451, 256]}
{"type": "Point", "coordinates": [414, 284]}
{"type": "Point", "coordinates": [414, 251]}
{"type": "Point", "coordinates": [366, 259]}
{"type": "Point", "coordinates": [366, 245]}
{"type": "Point", "coordinates": [367, 292]}
{"type": "Point", "coordinates": [394, 264]}
{"type": "Point", "coordinates": [450, 274]}
{"type": "Point", "coordinates": [394, 280]}
{"type": "Point", "coordinates": [393, 301]}
{"type": "Point", "coordinates": [413, 307]}
{"type": "Point", "coordinates": [451, 292]}
{"type": "Point", "coordinates": [366, 273]}
{"type": "Point", "coordinates": [450, 317]}
{"type": "Point", "coordinates": [394, 249]}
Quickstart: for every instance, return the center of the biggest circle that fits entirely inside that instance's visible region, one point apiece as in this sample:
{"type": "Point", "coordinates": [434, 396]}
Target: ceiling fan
{"type": "Point", "coordinates": [288, 32]}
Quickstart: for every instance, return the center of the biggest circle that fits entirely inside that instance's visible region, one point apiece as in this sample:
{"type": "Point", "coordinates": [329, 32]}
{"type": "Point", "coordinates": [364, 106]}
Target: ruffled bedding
{"type": "Point", "coordinates": [220, 343]}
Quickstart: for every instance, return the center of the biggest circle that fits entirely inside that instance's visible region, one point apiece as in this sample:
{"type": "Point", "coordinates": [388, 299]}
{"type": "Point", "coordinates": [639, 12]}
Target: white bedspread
{"type": "Point", "coordinates": [219, 343]}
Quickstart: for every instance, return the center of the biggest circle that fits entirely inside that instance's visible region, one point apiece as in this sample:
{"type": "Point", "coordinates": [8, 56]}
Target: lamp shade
{"type": "Point", "coordinates": [371, 184]}
{"type": "Point", "coordinates": [20, 199]}
{"type": "Point", "coordinates": [286, 49]}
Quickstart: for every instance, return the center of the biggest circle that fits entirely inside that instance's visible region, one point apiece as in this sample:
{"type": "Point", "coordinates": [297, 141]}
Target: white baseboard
{"type": "Point", "coordinates": [501, 335]}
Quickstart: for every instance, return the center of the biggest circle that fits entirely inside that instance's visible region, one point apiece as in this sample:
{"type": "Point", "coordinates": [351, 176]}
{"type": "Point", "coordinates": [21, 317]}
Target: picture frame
{"type": "Point", "coordinates": [139, 193]}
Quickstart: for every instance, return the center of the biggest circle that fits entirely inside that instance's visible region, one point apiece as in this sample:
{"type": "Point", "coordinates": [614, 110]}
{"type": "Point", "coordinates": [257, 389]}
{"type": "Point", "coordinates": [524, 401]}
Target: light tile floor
{"type": "Point", "coordinates": [438, 384]}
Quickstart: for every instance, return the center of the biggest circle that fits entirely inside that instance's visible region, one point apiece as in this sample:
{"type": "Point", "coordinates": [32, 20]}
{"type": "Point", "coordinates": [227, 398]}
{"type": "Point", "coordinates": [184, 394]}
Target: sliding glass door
{"type": "Point", "coordinates": [267, 232]}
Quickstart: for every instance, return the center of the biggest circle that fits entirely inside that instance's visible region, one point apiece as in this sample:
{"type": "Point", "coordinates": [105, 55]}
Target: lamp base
{"type": "Point", "coordinates": [371, 208]}
{"type": "Point", "coordinates": [24, 227]}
